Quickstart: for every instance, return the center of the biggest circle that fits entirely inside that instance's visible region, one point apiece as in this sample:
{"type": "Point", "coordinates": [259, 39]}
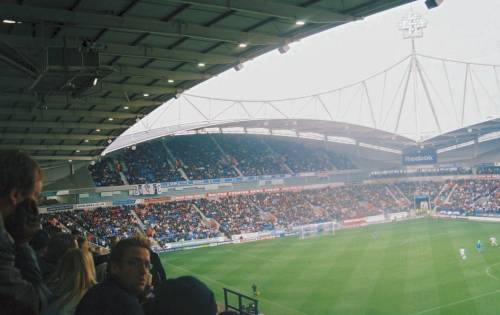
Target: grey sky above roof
{"type": "Point", "coordinates": [351, 53]}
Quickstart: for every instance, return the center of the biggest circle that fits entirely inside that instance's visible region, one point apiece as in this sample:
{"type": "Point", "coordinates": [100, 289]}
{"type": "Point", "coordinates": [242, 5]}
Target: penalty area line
{"type": "Point", "coordinates": [457, 302]}
{"type": "Point", "coordinates": [488, 269]}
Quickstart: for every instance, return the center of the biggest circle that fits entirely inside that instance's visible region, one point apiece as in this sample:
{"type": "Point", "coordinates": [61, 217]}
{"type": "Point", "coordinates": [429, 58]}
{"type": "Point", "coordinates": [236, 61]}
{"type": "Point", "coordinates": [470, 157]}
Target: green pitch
{"type": "Point", "coordinates": [406, 268]}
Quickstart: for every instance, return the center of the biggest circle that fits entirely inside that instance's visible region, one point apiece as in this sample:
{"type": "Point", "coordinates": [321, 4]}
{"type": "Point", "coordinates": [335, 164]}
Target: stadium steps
{"type": "Point", "coordinates": [391, 193]}
{"type": "Point", "coordinates": [441, 191]}
{"type": "Point", "coordinates": [204, 217]}
{"type": "Point", "coordinates": [170, 163]}
{"type": "Point", "coordinates": [447, 200]}
{"type": "Point", "coordinates": [226, 157]}
{"type": "Point", "coordinates": [139, 221]}
{"type": "Point", "coordinates": [171, 156]}
{"type": "Point", "coordinates": [123, 178]}
{"type": "Point", "coordinates": [276, 159]}
{"type": "Point", "coordinates": [402, 194]}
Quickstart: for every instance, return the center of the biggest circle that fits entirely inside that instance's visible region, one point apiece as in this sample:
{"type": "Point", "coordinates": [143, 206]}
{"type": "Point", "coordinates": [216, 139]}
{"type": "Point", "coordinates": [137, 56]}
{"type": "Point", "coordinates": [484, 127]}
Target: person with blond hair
{"type": "Point", "coordinates": [74, 276]}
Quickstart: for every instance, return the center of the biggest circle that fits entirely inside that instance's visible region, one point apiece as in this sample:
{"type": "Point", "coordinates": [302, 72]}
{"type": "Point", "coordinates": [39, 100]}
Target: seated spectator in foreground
{"type": "Point", "coordinates": [120, 294]}
{"type": "Point", "coordinates": [184, 296]}
{"type": "Point", "coordinates": [74, 276]}
{"type": "Point", "coordinates": [20, 276]}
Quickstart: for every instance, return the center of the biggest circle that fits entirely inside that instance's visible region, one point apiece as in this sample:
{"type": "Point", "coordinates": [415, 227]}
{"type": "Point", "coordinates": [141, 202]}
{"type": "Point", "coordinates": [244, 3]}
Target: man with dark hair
{"type": "Point", "coordinates": [20, 181]}
{"type": "Point", "coordinates": [120, 294]}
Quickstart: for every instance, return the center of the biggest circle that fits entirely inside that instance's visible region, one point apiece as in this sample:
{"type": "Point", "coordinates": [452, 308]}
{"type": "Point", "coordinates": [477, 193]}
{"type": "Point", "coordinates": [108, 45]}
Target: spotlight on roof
{"type": "Point", "coordinates": [9, 21]}
{"type": "Point", "coordinates": [111, 119]}
{"type": "Point", "coordinates": [70, 161]}
{"type": "Point", "coordinates": [94, 83]}
{"type": "Point", "coordinates": [145, 94]}
{"type": "Point", "coordinates": [98, 130]}
{"type": "Point", "coordinates": [77, 151]}
{"type": "Point", "coordinates": [238, 67]}
{"type": "Point", "coordinates": [300, 22]}
{"type": "Point", "coordinates": [431, 4]}
{"type": "Point", "coordinates": [243, 45]}
{"type": "Point", "coordinates": [201, 64]}
{"type": "Point", "coordinates": [133, 148]}
{"type": "Point", "coordinates": [170, 81]}
{"type": "Point", "coordinates": [126, 107]}
{"type": "Point", "coordinates": [283, 49]}
{"type": "Point", "coordinates": [86, 140]}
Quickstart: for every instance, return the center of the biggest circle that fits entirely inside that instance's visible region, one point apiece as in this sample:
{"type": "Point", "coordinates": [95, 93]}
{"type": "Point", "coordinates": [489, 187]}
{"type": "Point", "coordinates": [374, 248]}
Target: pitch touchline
{"type": "Point", "coordinates": [489, 268]}
{"type": "Point", "coordinates": [457, 302]}
{"type": "Point", "coordinates": [230, 287]}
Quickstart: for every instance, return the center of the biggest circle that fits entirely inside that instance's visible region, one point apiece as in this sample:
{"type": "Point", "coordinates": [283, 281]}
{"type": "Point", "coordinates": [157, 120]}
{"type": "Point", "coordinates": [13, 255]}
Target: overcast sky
{"type": "Point", "coordinates": [466, 30]}
{"type": "Point", "coordinates": [458, 29]}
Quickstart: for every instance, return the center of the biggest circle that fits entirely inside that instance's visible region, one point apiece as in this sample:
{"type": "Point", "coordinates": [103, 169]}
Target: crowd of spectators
{"type": "Point", "coordinates": [251, 155]}
{"type": "Point", "coordinates": [173, 222]}
{"type": "Point", "coordinates": [235, 214]}
{"type": "Point", "coordinates": [303, 158]}
{"type": "Point", "coordinates": [99, 224]}
{"type": "Point", "coordinates": [474, 197]}
{"type": "Point", "coordinates": [144, 163]}
{"type": "Point", "coordinates": [201, 158]}
{"type": "Point", "coordinates": [214, 156]}
{"type": "Point", "coordinates": [104, 173]}
{"type": "Point", "coordinates": [427, 189]}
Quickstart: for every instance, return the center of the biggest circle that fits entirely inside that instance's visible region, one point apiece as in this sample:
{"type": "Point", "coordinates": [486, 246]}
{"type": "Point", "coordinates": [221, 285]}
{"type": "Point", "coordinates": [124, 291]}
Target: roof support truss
{"type": "Point", "coordinates": [8, 98]}
{"type": "Point", "coordinates": [122, 50]}
{"type": "Point", "coordinates": [66, 113]}
{"type": "Point", "coordinates": [52, 136]}
{"type": "Point", "coordinates": [68, 125]}
{"type": "Point", "coordinates": [273, 9]}
{"type": "Point", "coordinates": [49, 147]}
{"type": "Point", "coordinates": [178, 29]}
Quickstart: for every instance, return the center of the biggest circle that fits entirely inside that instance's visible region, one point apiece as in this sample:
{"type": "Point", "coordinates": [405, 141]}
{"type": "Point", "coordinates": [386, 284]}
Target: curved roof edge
{"type": "Point", "coordinates": [304, 128]}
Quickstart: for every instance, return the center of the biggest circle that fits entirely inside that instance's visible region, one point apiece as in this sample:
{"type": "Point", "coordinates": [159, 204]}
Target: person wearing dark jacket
{"type": "Point", "coordinates": [123, 291]}
{"type": "Point", "coordinates": [20, 184]}
{"type": "Point", "coordinates": [157, 272]}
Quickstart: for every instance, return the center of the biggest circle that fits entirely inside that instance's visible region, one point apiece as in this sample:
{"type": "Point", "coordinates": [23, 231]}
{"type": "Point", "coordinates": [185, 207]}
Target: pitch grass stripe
{"type": "Point", "coordinates": [395, 270]}
{"type": "Point", "coordinates": [321, 294]}
{"type": "Point", "coordinates": [316, 273]}
{"type": "Point", "coordinates": [356, 281]}
{"type": "Point", "coordinates": [221, 284]}
{"type": "Point", "coordinates": [457, 302]}
{"type": "Point", "coordinates": [420, 287]}
{"type": "Point", "coordinates": [272, 284]}
{"type": "Point", "coordinates": [447, 290]}
{"type": "Point", "coordinates": [391, 272]}
{"type": "Point", "coordinates": [284, 284]}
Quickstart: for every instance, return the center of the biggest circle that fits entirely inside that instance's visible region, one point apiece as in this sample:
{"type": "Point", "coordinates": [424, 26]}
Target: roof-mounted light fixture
{"type": "Point", "coordinates": [238, 67]}
{"type": "Point", "coordinates": [284, 49]}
